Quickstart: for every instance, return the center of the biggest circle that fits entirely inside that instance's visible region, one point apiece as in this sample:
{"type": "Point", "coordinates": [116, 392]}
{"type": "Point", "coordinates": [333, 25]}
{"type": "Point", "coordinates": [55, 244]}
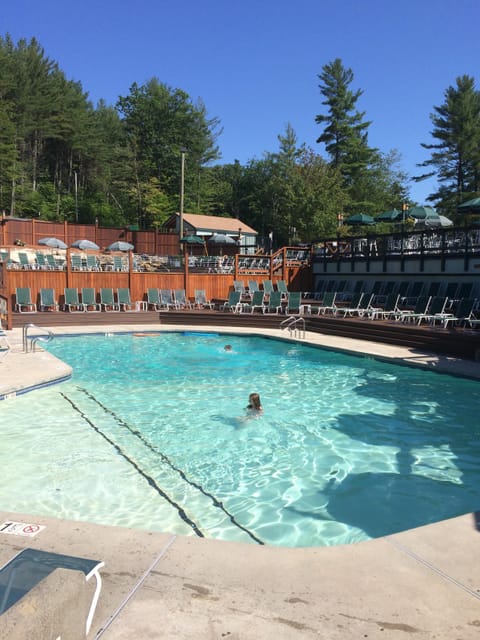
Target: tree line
{"type": "Point", "coordinates": [61, 157]}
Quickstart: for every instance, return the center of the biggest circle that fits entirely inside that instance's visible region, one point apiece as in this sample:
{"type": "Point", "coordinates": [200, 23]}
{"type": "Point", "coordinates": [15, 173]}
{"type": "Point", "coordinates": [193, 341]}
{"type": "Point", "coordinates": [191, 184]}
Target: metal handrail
{"type": "Point", "coordinates": [35, 339]}
{"type": "Point", "coordinates": [291, 324]}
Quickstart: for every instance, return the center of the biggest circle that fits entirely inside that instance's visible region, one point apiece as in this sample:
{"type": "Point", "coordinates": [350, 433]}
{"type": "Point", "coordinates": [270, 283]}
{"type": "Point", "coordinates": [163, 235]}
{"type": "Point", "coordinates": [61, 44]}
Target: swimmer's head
{"type": "Point", "coordinates": [227, 347]}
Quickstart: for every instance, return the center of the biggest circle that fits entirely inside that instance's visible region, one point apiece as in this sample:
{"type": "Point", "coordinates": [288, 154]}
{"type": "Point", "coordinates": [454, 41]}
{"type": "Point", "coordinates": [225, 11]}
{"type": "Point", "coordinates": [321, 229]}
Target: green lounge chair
{"type": "Point", "coordinates": [76, 262]}
{"type": "Point", "coordinates": [390, 308]}
{"type": "Point", "coordinates": [268, 287]}
{"type": "Point", "coordinates": [201, 300]}
{"type": "Point", "coordinates": [71, 301]}
{"type": "Point", "coordinates": [42, 262]}
{"type": "Point", "coordinates": [153, 299]}
{"type": "Point", "coordinates": [181, 301]}
{"type": "Point", "coordinates": [24, 261]}
{"type": "Point", "coordinates": [421, 307]}
{"type": "Point", "coordinates": [89, 300]}
{"type": "Point", "coordinates": [233, 303]}
{"type": "Point", "coordinates": [92, 263]}
{"type": "Point", "coordinates": [463, 314]}
{"type": "Point", "coordinates": [48, 301]}
{"type": "Point", "coordinates": [294, 302]}
{"type": "Point", "coordinates": [328, 303]}
{"type": "Point", "coordinates": [282, 287]}
{"type": "Point", "coordinates": [352, 307]}
{"type": "Point", "coordinates": [24, 303]}
{"type": "Point", "coordinates": [257, 302]}
{"type": "Point", "coordinates": [274, 302]}
{"type": "Point", "coordinates": [166, 299]}
{"type": "Point", "coordinates": [29, 567]}
{"type": "Point", "coordinates": [124, 300]}
{"type": "Point", "coordinates": [107, 301]}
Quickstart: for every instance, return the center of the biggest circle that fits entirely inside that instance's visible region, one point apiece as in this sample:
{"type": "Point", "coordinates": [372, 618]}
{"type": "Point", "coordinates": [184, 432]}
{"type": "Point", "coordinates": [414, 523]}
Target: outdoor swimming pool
{"type": "Point", "coordinates": [151, 433]}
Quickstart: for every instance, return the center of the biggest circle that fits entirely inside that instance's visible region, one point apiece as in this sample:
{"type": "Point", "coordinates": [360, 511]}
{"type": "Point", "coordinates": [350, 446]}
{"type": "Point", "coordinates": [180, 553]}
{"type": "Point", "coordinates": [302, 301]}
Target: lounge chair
{"type": "Point", "coordinates": [76, 262]}
{"type": "Point", "coordinates": [463, 314]}
{"type": "Point", "coordinates": [24, 303]}
{"type": "Point", "coordinates": [42, 262]}
{"type": "Point", "coordinates": [239, 285]}
{"type": "Point", "coordinates": [252, 287]}
{"type": "Point", "coordinates": [5, 345]}
{"type": "Point", "coordinates": [282, 287]}
{"type": "Point", "coordinates": [410, 314]}
{"type": "Point", "coordinates": [71, 301]}
{"type": "Point", "coordinates": [118, 264]}
{"type": "Point", "coordinates": [201, 300]}
{"type": "Point", "coordinates": [29, 567]}
{"type": "Point", "coordinates": [24, 261]}
{"type": "Point", "coordinates": [92, 263]}
{"type": "Point", "coordinates": [166, 299]}
{"type": "Point", "coordinates": [257, 302]}
{"type": "Point", "coordinates": [52, 263]}
{"type": "Point", "coordinates": [294, 302]}
{"type": "Point", "coordinates": [124, 300]}
{"type": "Point", "coordinates": [435, 308]}
{"type": "Point", "coordinates": [352, 307]}
{"type": "Point", "coordinates": [233, 303]}
{"type": "Point", "coordinates": [153, 299]}
{"type": "Point", "coordinates": [268, 287]}
{"type": "Point", "coordinates": [328, 303]}
{"type": "Point", "coordinates": [48, 301]}
{"type": "Point", "coordinates": [181, 301]}
{"type": "Point", "coordinates": [390, 308]}
{"type": "Point", "coordinates": [274, 304]}
{"type": "Point", "coordinates": [107, 301]}
{"type": "Point", "coordinates": [89, 300]}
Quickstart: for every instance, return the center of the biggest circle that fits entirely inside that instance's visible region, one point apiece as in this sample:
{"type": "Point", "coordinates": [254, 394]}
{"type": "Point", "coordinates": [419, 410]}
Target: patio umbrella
{"type": "Point", "coordinates": [422, 213]}
{"type": "Point", "coordinates": [471, 206]}
{"type": "Point", "coordinates": [53, 243]}
{"type": "Point", "coordinates": [390, 216]}
{"type": "Point", "coordinates": [193, 240]}
{"type": "Point", "coordinates": [84, 244]}
{"type": "Point", "coordinates": [360, 219]}
{"type": "Point", "coordinates": [120, 246]}
{"type": "Point", "coordinates": [439, 221]}
{"type": "Point", "coordinates": [221, 238]}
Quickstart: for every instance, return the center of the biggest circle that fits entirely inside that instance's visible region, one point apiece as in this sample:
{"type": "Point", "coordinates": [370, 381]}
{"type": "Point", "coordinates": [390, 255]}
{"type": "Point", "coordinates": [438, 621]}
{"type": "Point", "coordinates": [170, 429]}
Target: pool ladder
{"type": "Point", "coordinates": [31, 346]}
{"type": "Point", "coordinates": [295, 325]}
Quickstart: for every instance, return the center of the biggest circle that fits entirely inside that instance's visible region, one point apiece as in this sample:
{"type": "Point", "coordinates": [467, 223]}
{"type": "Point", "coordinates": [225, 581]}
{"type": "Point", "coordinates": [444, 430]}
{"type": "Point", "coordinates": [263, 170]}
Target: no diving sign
{"type": "Point", "coordinates": [21, 528]}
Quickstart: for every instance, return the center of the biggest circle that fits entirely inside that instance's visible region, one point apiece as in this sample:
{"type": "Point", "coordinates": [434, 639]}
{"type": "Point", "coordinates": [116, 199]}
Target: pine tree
{"type": "Point", "coordinates": [345, 135]}
{"type": "Point", "coordinates": [455, 157]}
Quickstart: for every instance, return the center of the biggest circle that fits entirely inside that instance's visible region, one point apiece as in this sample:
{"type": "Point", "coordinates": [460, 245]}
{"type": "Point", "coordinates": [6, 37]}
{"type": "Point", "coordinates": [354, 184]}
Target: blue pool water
{"type": "Point", "coordinates": [152, 432]}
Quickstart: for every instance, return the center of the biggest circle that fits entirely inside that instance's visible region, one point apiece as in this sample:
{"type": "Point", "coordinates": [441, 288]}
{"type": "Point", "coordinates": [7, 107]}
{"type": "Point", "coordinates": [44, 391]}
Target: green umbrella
{"type": "Point", "coordinates": [422, 213]}
{"type": "Point", "coordinates": [359, 219]}
{"type": "Point", "coordinates": [192, 240]}
{"type": "Point", "coordinates": [390, 216]}
{"type": "Point", "coordinates": [471, 206]}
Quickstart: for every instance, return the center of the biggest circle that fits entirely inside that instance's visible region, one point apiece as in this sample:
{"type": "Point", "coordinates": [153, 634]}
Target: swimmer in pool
{"type": "Point", "coordinates": [254, 403]}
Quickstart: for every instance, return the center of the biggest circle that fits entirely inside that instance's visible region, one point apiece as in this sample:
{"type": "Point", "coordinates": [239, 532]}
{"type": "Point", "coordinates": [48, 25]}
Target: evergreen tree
{"type": "Point", "coordinates": [345, 134]}
{"type": "Point", "coordinates": [455, 157]}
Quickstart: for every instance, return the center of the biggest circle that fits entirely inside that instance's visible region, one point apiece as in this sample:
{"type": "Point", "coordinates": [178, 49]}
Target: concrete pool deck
{"type": "Point", "coordinates": [157, 585]}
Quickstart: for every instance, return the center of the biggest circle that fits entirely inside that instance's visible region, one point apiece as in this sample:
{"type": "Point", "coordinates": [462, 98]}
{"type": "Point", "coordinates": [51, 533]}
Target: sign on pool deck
{"type": "Point", "coordinates": [21, 528]}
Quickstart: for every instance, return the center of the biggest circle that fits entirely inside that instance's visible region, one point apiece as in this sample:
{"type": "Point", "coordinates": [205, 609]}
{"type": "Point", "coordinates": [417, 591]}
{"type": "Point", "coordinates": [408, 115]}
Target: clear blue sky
{"type": "Point", "coordinates": [255, 63]}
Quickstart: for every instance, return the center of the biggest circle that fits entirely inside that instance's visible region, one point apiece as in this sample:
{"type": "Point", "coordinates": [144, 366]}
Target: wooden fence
{"type": "Point", "coordinates": [296, 273]}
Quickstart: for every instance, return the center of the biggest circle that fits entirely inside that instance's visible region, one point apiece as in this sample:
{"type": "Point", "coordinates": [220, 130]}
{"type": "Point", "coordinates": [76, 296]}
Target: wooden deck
{"type": "Point", "coordinates": [455, 342]}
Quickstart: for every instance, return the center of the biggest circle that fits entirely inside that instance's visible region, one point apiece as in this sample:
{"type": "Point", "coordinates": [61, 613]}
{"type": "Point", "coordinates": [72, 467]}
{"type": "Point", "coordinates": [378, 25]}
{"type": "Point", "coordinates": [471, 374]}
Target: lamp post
{"type": "Point", "coordinates": [182, 189]}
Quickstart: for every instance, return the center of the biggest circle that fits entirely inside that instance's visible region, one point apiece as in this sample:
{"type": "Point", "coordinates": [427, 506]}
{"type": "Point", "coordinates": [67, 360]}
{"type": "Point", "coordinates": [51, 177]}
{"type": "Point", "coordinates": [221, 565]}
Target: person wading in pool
{"type": "Point", "coordinates": [254, 404]}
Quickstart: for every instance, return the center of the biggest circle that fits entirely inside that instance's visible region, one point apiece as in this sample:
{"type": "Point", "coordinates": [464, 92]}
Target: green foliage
{"type": "Point", "coordinates": [455, 157]}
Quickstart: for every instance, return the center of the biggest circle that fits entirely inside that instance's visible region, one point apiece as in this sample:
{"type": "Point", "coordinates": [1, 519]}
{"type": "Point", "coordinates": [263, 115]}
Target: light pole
{"type": "Point", "coordinates": [182, 189]}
